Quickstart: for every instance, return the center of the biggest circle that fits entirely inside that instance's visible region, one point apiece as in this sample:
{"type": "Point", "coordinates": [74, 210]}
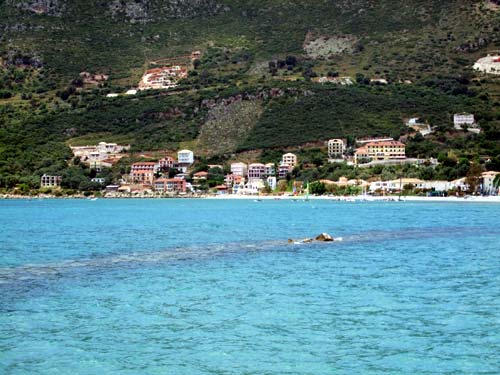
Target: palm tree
{"type": "Point", "coordinates": [496, 181]}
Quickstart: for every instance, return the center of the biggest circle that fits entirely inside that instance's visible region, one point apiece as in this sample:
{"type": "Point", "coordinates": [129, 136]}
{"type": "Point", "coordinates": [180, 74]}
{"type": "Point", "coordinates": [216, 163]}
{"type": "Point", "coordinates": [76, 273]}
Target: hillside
{"type": "Point", "coordinates": [254, 83]}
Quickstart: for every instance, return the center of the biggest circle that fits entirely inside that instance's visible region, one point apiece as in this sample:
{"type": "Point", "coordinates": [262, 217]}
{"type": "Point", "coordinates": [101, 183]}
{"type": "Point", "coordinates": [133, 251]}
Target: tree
{"type": "Point", "coordinates": [317, 188]}
{"type": "Point", "coordinates": [473, 176]}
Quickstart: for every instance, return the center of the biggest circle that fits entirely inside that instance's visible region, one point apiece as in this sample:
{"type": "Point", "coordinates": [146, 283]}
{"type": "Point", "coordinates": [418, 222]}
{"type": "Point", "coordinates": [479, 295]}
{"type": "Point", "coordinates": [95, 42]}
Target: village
{"type": "Point", "coordinates": [180, 174]}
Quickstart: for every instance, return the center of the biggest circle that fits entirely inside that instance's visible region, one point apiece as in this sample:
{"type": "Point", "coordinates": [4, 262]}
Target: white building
{"type": "Point", "coordinates": [465, 120]}
{"type": "Point", "coordinates": [460, 119]}
{"type": "Point", "coordinates": [487, 186]}
{"type": "Point", "coordinates": [336, 148]}
{"type": "Point", "coordinates": [239, 169]}
{"type": "Point", "coordinates": [270, 169]}
{"type": "Point", "coordinates": [488, 64]}
{"type": "Point", "coordinates": [271, 182]}
{"type": "Point", "coordinates": [185, 158]}
{"type": "Point", "coordinates": [418, 125]}
{"type": "Point", "coordinates": [289, 159]}
{"type": "Point", "coordinates": [50, 181]}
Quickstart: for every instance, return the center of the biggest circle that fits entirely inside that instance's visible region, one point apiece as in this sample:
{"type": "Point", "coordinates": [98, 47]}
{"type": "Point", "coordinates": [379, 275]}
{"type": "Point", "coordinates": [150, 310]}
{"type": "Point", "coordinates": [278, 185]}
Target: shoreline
{"type": "Point", "coordinates": [348, 199]}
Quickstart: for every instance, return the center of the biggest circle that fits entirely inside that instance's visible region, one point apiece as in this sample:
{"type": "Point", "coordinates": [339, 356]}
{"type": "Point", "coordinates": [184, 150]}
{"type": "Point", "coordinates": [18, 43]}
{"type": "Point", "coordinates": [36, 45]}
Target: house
{"type": "Point", "coordinates": [50, 181]}
{"type": "Point", "coordinates": [283, 170]}
{"type": "Point", "coordinates": [144, 166]}
{"type": "Point", "coordinates": [270, 169]}
{"type": "Point", "coordinates": [112, 188]}
{"type": "Point", "coordinates": [420, 126]}
{"type": "Point", "coordinates": [253, 186]}
{"type": "Point", "coordinates": [200, 176]}
{"type": "Point", "coordinates": [361, 153]}
{"type": "Point", "coordinates": [239, 169]}
{"type": "Point", "coordinates": [185, 158]}
{"type": "Point", "coordinates": [379, 81]}
{"type": "Point", "coordinates": [95, 155]}
{"type": "Point", "coordinates": [336, 148]}
{"type": "Point", "coordinates": [467, 121]}
{"type": "Point", "coordinates": [167, 163]}
{"type": "Point", "coordinates": [487, 186]}
{"type": "Point", "coordinates": [162, 78]}
{"type": "Point", "coordinates": [489, 64]}
{"type": "Point", "coordinates": [344, 81]}
{"type": "Point", "coordinates": [222, 189]}
{"type": "Point", "coordinates": [289, 159]}
{"type": "Point", "coordinates": [170, 185]}
{"type": "Point", "coordinates": [142, 176]}
{"type": "Point", "coordinates": [396, 185]}
{"type": "Point", "coordinates": [271, 182]}
{"type": "Point", "coordinates": [256, 171]}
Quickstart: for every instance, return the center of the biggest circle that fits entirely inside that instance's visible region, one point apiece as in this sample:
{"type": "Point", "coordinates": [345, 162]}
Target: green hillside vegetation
{"type": "Point", "coordinates": [253, 51]}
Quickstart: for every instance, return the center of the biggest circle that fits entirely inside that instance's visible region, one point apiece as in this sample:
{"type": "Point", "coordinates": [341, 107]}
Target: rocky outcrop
{"type": "Point", "coordinates": [144, 11]}
{"type": "Point", "coordinates": [324, 237]}
{"type": "Point", "coordinates": [48, 7]}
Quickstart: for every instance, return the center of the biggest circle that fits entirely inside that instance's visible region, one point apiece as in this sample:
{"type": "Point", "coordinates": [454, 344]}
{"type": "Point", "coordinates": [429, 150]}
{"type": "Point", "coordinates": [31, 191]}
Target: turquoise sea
{"type": "Point", "coordinates": [213, 287]}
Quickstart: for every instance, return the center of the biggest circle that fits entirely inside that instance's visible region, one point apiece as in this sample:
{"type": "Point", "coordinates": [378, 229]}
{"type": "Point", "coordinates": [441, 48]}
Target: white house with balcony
{"type": "Point", "coordinates": [185, 158]}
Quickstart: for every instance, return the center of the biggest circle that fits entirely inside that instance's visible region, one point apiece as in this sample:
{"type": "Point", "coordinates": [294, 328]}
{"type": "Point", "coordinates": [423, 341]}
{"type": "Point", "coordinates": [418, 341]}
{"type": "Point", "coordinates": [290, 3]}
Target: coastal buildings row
{"type": "Point", "coordinates": [145, 172]}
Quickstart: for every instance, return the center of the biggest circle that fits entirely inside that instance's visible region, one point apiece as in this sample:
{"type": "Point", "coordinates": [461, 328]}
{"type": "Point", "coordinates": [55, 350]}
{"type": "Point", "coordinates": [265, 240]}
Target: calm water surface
{"type": "Point", "coordinates": [213, 287]}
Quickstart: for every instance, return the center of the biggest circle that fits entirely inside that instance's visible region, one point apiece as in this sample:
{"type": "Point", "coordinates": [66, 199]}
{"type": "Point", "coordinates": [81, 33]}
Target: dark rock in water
{"type": "Point", "coordinates": [307, 240]}
{"type": "Point", "coordinates": [324, 237]}
{"type": "Point", "coordinates": [290, 240]}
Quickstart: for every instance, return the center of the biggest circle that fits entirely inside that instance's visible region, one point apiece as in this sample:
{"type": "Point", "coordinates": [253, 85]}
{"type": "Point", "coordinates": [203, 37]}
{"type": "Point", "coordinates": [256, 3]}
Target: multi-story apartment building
{"type": "Point", "coordinates": [270, 169]}
{"type": "Point", "coordinates": [289, 159]}
{"type": "Point", "coordinates": [167, 162]}
{"type": "Point", "coordinates": [283, 171]}
{"type": "Point", "coordinates": [50, 181]}
{"type": "Point", "coordinates": [386, 150]}
{"type": "Point", "coordinates": [256, 171]}
{"type": "Point", "coordinates": [239, 169]}
{"type": "Point", "coordinates": [460, 119]}
{"type": "Point", "coordinates": [170, 185]}
{"type": "Point", "coordinates": [336, 148]}
{"type": "Point", "coordinates": [185, 158]}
